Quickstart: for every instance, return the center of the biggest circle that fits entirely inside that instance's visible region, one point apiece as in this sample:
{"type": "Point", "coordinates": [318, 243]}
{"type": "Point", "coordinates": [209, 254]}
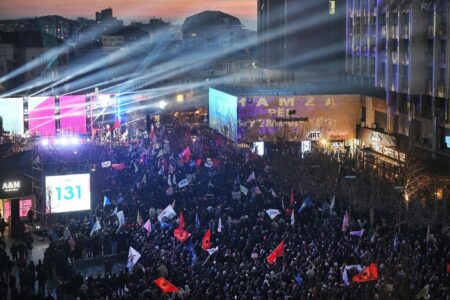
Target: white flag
{"type": "Point", "coordinates": [219, 227]}
{"type": "Point", "coordinates": [174, 179]}
{"type": "Point", "coordinates": [167, 214]}
{"type": "Point", "coordinates": [183, 183]}
{"type": "Point", "coordinates": [96, 227]}
{"type": "Point", "coordinates": [144, 179]}
{"type": "Point", "coordinates": [273, 193]}
{"type": "Point", "coordinates": [121, 218]}
{"type": "Point", "coordinates": [133, 257]}
{"type": "Point", "coordinates": [160, 153]}
{"type": "Point", "coordinates": [345, 276]}
{"type": "Point", "coordinates": [292, 218]}
{"type": "Point", "coordinates": [251, 177]}
{"type": "Point", "coordinates": [106, 164]}
{"type": "Point", "coordinates": [211, 251]}
{"type": "Point", "coordinates": [244, 190]}
{"type": "Point", "coordinates": [333, 200]}
{"type": "Point", "coordinates": [273, 213]}
{"type": "Point", "coordinates": [169, 181]}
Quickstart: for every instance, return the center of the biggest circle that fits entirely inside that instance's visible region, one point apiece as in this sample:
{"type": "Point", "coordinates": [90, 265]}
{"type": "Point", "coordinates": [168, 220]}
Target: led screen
{"type": "Point", "coordinates": [67, 193]}
{"type": "Point", "coordinates": [11, 111]}
{"type": "Point", "coordinates": [72, 111]}
{"type": "Point", "coordinates": [447, 141]}
{"type": "Point", "coordinates": [223, 113]}
{"type": "Point", "coordinates": [41, 116]}
{"type": "Point", "coordinates": [299, 117]}
{"type": "Point", "coordinates": [24, 207]}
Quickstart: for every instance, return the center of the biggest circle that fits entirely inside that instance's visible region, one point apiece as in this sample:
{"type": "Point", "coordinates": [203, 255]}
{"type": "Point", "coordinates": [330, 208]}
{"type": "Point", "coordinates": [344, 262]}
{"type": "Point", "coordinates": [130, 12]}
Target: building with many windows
{"type": "Point", "coordinates": [402, 48]}
{"type": "Point", "coordinates": [301, 35]}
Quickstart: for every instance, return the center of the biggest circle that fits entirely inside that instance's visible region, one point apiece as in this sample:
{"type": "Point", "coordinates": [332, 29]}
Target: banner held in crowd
{"type": "Point", "coordinates": [133, 257]}
{"type": "Point", "coordinates": [165, 285]}
{"type": "Point", "coordinates": [167, 214]}
{"type": "Point", "coordinates": [272, 213]}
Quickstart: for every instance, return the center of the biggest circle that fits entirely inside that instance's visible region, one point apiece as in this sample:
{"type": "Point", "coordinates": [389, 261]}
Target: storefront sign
{"type": "Point", "coordinates": [14, 186]}
{"type": "Point", "coordinates": [380, 142]}
{"type": "Point", "coordinates": [11, 186]}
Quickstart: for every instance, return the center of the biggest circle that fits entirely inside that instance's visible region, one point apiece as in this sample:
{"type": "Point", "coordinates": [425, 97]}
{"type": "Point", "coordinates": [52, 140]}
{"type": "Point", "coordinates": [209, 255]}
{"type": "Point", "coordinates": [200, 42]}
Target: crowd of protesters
{"type": "Point", "coordinates": [144, 179]}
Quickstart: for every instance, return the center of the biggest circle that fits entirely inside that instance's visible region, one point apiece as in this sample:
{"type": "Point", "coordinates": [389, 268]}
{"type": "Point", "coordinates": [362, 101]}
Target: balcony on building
{"type": "Point", "coordinates": [404, 58]}
{"type": "Point", "coordinates": [394, 84]}
{"type": "Point", "coordinates": [430, 34]}
{"type": "Point", "coordinates": [440, 89]}
{"type": "Point", "coordinates": [429, 87]}
{"type": "Point", "coordinates": [403, 87]}
{"type": "Point", "coordinates": [394, 57]}
{"type": "Point", "coordinates": [394, 31]}
{"type": "Point", "coordinates": [383, 31]}
{"type": "Point", "coordinates": [442, 31]}
{"type": "Point", "coordinates": [442, 60]}
{"type": "Point", "coordinates": [405, 32]}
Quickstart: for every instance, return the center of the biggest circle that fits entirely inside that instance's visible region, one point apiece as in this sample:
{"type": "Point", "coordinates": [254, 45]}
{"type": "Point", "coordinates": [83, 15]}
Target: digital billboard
{"type": "Point", "coordinates": [41, 116]}
{"type": "Point", "coordinates": [72, 114]}
{"type": "Point", "coordinates": [67, 193]}
{"type": "Point", "coordinates": [304, 117]}
{"type": "Point", "coordinates": [11, 111]}
{"type": "Point", "coordinates": [223, 113]}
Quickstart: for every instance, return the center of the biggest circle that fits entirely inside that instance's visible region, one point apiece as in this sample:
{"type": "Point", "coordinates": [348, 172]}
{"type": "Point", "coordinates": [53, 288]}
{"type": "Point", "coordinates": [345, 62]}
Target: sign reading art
{"type": "Point", "coordinates": [312, 117]}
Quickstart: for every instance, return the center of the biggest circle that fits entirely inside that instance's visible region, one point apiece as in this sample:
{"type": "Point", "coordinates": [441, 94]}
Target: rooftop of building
{"type": "Point", "coordinates": [313, 88]}
{"type": "Point", "coordinates": [29, 39]}
{"type": "Point", "coordinates": [209, 18]}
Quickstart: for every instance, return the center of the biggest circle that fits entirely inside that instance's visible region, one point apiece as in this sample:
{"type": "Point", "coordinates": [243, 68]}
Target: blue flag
{"type": "Point", "coordinates": [298, 279]}
{"type": "Point", "coordinates": [165, 225]}
{"type": "Point", "coordinates": [396, 242]}
{"type": "Point", "coordinates": [190, 248]}
{"type": "Point", "coordinates": [106, 201]}
{"type": "Point", "coordinates": [197, 222]}
{"type": "Point", "coordinates": [306, 203]}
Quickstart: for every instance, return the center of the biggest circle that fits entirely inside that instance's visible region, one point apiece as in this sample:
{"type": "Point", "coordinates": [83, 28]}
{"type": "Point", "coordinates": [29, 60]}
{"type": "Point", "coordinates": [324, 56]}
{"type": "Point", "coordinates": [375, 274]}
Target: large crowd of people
{"type": "Point", "coordinates": [319, 259]}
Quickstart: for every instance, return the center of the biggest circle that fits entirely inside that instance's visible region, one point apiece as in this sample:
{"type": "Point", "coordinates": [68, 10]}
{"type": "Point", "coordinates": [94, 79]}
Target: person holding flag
{"type": "Point", "coordinates": [278, 252]}
{"type": "Point", "coordinates": [206, 241]}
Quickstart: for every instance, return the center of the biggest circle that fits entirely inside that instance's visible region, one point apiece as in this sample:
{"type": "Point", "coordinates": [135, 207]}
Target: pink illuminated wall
{"type": "Point", "coordinates": [72, 110]}
{"type": "Point", "coordinates": [24, 207]}
{"type": "Point", "coordinates": [41, 115]}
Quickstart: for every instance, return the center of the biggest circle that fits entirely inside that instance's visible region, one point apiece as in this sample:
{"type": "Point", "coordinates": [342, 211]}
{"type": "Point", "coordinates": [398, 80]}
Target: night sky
{"type": "Point", "coordinates": [128, 10]}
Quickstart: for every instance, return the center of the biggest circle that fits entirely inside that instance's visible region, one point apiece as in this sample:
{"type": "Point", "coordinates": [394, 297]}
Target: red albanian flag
{"type": "Point", "coordinates": [165, 285]}
{"type": "Point", "coordinates": [181, 234]}
{"type": "Point", "coordinates": [369, 273]}
{"type": "Point", "coordinates": [181, 220]}
{"type": "Point", "coordinates": [279, 251]}
{"type": "Point", "coordinates": [118, 167]}
{"type": "Point", "coordinates": [206, 241]}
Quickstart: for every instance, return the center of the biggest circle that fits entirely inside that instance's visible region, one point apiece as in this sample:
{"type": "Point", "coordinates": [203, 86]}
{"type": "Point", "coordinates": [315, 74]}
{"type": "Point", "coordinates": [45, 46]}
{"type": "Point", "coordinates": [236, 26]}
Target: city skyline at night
{"type": "Point", "coordinates": [130, 10]}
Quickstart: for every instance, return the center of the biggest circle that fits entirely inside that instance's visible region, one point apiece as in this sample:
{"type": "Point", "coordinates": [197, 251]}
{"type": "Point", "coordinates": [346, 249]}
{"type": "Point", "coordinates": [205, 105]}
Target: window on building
{"type": "Point", "coordinates": [332, 7]}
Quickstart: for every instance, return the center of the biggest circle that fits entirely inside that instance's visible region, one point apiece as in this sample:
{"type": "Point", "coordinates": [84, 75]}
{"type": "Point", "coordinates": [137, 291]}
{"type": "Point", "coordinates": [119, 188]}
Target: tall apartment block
{"type": "Point", "coordinates": [402, 47]}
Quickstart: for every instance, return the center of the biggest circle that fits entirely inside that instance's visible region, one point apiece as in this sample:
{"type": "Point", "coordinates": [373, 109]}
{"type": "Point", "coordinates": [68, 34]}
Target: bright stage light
{"type": "Point", "coordinates": [162, 104]}
{"type": "Point", "coordinates": [64, 141]}
{"type": "Point", "coordinates": [74, 140]}
{"type": "Point", "coordinates": [44, 142]}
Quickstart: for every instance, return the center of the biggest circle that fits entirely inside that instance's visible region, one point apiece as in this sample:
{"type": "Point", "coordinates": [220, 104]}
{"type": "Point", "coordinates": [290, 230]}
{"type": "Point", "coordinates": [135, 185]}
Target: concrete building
{"type": "Point", "coordinates": [214, 30]}
{"type": "Point", "coordinates": [301, 35]}
{"type": "Point", "coordinates": [401, 48]}
{"type": "Point", "coordinates": [18, 48]}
